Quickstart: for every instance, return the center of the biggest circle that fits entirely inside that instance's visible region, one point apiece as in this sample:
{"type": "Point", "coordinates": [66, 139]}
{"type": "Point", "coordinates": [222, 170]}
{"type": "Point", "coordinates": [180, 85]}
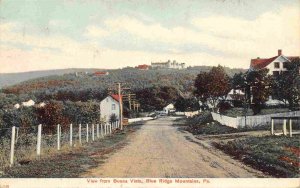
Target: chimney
{"type": "Point", "coordinates": [279, 52]}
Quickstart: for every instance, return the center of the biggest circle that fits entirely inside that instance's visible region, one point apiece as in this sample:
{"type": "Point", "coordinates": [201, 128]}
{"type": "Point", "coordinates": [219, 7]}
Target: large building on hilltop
{"type": "Point", "coordinates": [167, 65]}
{"type": "Point", "coordinates": [276, 64]}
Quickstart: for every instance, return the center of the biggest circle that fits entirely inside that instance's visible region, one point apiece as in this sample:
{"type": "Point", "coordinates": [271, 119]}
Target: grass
{"type": "Point", "coordinates": [274, 155]}
{"type": "Point", "coordinates": [234, 112]}
{"type": "Point", "coordinates": [70, 162]}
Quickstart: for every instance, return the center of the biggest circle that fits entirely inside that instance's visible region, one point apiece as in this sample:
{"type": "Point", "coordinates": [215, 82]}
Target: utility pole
{"type": "Point", "coordinates": [121, 105]}
{"type": "Point", "coordinates": [120, 95]}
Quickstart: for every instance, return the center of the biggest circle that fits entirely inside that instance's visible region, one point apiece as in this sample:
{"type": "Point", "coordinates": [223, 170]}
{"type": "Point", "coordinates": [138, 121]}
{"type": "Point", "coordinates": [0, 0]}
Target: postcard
{"type": "Point", "coordinates": [149, 93]}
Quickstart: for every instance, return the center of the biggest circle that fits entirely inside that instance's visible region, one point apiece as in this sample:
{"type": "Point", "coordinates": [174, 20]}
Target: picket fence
{"type": "Point", "coordinates": [250, 121]}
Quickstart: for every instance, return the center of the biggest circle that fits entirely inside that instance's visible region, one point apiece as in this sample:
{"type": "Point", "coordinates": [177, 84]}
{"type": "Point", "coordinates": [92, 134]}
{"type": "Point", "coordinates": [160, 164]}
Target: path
{"type": "Point", "coordinates": [159, 149]}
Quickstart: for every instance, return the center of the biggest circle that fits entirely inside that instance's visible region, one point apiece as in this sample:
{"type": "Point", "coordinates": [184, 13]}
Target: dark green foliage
{"type": "Point", "coordinates": [156, 98]}
{"type": "Point", "coordinates": [274, 155]}
{"type": "Point", "coordinates": [286, 86]}
{"type": "Point", "coordinates": [113, 118]}
{"type": "Point", "coordinates": [224, 106]}
{"type": "Point", "coordinates": [184, 105]}
{"type": "Point", "coordinates": [82, 112]}
{"type": "Point", "coordinates": [258, 89]}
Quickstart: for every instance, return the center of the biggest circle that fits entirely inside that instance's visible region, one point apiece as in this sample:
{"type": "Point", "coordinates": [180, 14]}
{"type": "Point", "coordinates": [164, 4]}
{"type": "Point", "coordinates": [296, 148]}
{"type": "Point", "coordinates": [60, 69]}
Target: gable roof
{"type": "Point", "coordinates": [116, 97]}
{"type": "Point", "coordinates": [261, 63]}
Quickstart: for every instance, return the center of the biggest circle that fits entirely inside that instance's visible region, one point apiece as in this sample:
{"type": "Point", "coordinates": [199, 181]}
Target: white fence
{"type": "Point", "coordinates": [188, 114]}
{"type": "Point", "coordinates": [73, 134]}
{"type": "Point", "coordinates": [250, 121]}
{"type": "Point", "coordinates": [225, 120]}
{"type": "Point", "coordinates": [139, 119]}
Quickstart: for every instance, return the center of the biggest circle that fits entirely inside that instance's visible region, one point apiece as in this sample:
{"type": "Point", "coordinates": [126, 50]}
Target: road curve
{"type": "Point", "coordinates": [158, 149]}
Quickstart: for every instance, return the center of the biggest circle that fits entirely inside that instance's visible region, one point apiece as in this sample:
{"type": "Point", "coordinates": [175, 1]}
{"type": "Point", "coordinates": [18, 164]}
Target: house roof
{"type": "Point", "coordinates": [116, 97]}
{"type": "Point", "coordinates": [261, 63]}
{"type": "Point", "coordinates": [143, 66]}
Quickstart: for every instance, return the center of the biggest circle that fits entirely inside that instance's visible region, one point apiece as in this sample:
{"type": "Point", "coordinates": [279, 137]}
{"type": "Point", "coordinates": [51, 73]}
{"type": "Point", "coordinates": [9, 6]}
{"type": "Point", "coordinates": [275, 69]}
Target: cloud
{"type": "Point", "coordinates": [93, 31]}
{"type": "Point", "coordinates": [212, 40]}
{"type": "Point", "coordinates": [232, 36]}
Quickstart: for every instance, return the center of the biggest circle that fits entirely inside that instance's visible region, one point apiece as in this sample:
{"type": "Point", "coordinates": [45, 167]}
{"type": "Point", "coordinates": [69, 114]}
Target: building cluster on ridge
{"type": "Point", "coordinates": [162, 65]}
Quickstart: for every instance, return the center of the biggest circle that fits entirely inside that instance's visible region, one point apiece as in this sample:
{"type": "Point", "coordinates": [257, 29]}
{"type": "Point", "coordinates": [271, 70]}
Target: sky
{"type": "Point", "coordinates": [58, 34]}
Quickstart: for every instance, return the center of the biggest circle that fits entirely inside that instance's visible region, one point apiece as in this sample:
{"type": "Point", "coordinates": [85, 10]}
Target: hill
{"type": "Point", "coordinates": [8, 79]}
{"type": "Point", "coordinates": [83, 85]}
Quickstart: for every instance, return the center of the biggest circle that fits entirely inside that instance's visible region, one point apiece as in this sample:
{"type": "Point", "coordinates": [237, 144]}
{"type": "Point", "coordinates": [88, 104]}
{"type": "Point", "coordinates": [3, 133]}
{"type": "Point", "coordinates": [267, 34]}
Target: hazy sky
{"type": "Point", "coordinates": [55, 34]}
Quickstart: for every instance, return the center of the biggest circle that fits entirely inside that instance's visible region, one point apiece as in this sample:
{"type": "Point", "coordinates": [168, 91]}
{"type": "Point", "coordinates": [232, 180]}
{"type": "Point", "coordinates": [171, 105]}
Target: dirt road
{"type": "Point", "coordinates": [160, 149]}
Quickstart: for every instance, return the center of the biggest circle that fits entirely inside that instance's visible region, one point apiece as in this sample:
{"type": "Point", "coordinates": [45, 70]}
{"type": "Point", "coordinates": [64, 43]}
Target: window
{"type": "Point", "coordinates": [275, 73]}
{"type": "Point", "coordinates": [113, 106]}
{"type": "Point", "coordinates": [284, 65]}
{"type": "Point", "coordinates": [276, 65]}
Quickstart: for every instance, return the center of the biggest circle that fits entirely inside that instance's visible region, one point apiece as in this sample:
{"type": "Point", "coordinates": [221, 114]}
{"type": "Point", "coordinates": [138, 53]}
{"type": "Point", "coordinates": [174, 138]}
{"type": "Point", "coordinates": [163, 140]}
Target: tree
{"type": "Point", "coordinates": [183, 104]}
{"type": "Point", "coordinates": [113, 118]}
{"type": "Point", "coordinates": [258, 89]}
{"type": "Point", "coordinates": [51, 115]}
{"type": "Point", "coordinates": [155, 98]}
{"type": "Point", "coordinates": [286, 86]}
{"type": "Point", "coordinates": [238, 81]}
{"type": "Point", "coordinates": [212, 85]}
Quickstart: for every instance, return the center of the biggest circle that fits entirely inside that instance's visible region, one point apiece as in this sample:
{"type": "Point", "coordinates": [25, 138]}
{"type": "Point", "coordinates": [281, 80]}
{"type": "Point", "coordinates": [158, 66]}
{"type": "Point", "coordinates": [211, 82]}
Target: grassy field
{"type": "Point", "coordinates": [274, 155]}
{"type": "Point", "coordinates": [71, 163]}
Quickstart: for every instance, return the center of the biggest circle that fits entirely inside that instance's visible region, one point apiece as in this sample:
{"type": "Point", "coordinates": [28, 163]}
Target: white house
{"type": "Point", "coordinates": [108, 106]}
{"type": "Point", "coordinates": [169, 108]}
{"type": "Point", "coordinates": [17, 106]}
{"type": "Point", "coordinates": [235, 94]}
{"type": "Point", "coordinates": [276, 64]}
{"type": "Point", "coordinates": [42, 104]}
{"type": "Point", "coordinates": [28, 103]}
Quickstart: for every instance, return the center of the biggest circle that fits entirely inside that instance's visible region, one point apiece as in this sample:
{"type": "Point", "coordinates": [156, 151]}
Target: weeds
{"type": "Point", "coordinates": [274, 155]}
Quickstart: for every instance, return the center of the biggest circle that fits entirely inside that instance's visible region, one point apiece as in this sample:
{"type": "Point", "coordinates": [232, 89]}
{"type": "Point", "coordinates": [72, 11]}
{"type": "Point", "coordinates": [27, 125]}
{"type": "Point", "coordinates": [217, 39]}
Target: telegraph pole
{"type": "Point", "coordinates": [121, 105]}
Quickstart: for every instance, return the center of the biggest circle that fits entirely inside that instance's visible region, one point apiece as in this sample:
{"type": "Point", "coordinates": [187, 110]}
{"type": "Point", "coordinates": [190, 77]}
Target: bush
{"type": "Point", "coordinates": [223, 106]}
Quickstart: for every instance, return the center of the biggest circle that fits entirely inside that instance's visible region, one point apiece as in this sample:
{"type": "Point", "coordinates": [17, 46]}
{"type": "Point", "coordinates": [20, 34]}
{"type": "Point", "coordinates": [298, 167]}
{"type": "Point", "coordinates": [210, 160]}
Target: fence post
{"type": "Point", "coordinates": [93, 132]}
{"type": "Point", "coordinates": [17, 134]}
{"type": "Point", "coordinates": [291, 129]}
{"type": "Point", "coordinates": [39, 139]}
{"type": "Point", "coordinates": [12, 145]}
{"type": "Point", "coordinates": [87, 132]}
{"type": "Point", "coordinates": [58, 137]}
{"type": "Point", "coordinates": [272, 127]}
{"type": "Point", "coordinates": [71, 135]}
{"type": "Point", "coordinates": [101, 125]}
{"type": "Point", "coordinates": [79, 133]}
{"type": "Point", "coordinates": [284, 127]}
{"type": "Point", "coordinates": [105, 125]}
{"type": "Point", "coordinates": [110, 128]}
{"type": "Point", "coordinates": [97, 130]}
